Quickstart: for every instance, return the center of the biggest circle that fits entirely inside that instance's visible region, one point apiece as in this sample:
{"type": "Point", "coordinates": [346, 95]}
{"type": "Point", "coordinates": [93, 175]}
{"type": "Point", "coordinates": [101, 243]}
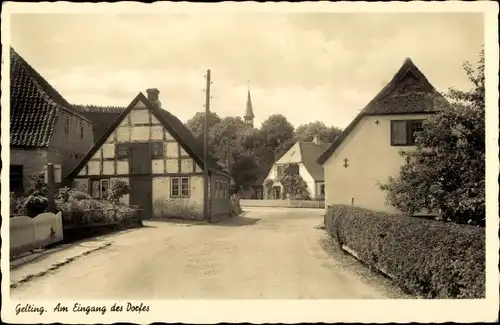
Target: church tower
{"type": "Point", "coordinates": [249, 111]}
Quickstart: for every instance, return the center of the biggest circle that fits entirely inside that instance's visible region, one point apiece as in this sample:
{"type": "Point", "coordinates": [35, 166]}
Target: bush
{"type": "Point", "coordinates": [37, 185]}
{"type": "Point", "coordinates": [428, 258]}
{"type": "Point", "coordinates": [119, 189]}
{"type": "Point", "coordinates": [81, 206]}
{"type": "Point", "coordinates": [35, 205]}
{"type": "Point", "coordinates": [17, 205]}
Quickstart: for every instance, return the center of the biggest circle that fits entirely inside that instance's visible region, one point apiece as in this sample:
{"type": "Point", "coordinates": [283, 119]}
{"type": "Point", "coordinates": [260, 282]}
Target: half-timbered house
{"type": "Point", "coordinates": [155, 153]}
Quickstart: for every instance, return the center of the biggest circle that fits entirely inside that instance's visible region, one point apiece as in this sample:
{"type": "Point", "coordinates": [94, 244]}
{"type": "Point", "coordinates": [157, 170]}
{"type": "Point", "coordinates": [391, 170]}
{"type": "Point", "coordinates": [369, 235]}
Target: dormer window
{"type": "Point", "coordinates": [403, 132]}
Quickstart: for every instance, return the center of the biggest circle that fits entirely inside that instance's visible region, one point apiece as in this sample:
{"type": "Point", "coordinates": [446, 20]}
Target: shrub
{"type": "Point", "coordinates": [17, 205]}
{"type": "Point", "coordinates": [35, 205]}
{"type": "Point", "coordinates": [37, 185]}
{"type": "Point", "coordinates": [428, 258]}
{"type": "Point", "coordinates": [80, 205]}
{"type": "Point", "coordinates": [119, 189]}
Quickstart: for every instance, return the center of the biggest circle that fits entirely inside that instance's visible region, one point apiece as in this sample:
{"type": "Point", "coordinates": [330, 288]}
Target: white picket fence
{"type": "Point", "coordinates": [27, 234]}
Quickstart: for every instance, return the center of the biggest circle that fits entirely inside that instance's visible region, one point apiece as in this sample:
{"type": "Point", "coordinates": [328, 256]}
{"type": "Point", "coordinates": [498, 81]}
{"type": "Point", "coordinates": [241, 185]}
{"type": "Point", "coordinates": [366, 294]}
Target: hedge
{"type": "Point", "coordinates": [428, 258]}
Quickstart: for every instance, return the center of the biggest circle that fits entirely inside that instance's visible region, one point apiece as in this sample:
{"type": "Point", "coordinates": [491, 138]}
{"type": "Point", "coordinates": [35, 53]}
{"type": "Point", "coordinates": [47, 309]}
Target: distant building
{"type": "Point", "coordinates": [249, 116]}
{"type": "Point", "coordinates": [43, 126]}
{"type": "Point", "coordinates": [102, 117]}
{"type": "Point", "coordinates": [154, 152]}
{"type": "Point", "coordinates": [367, 151]}
{"type": "Point", "coordinates": [304, 154]}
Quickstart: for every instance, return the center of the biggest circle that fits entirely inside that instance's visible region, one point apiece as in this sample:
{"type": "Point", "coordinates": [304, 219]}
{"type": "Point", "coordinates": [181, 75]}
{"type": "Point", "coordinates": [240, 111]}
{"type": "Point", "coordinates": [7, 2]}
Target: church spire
{"type": "Point", "coordinates": [249, 111]}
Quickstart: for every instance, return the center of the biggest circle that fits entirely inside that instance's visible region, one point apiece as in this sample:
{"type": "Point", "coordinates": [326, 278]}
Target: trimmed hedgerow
{"type": "Point", "coordinates": [428, 258]}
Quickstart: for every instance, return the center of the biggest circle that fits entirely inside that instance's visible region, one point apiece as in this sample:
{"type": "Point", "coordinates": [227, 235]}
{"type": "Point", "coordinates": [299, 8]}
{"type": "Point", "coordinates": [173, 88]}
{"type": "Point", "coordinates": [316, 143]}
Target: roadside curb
{"type": "Point", "coordinates": [57, 265]}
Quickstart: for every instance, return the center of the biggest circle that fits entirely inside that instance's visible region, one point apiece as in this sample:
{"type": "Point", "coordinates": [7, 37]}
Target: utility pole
{"type": "Point", "coordinates": [229, 159]}
{"type": "Point", "coordinates": [228, 198]}
{"type": "Point", "coordinates": [206, 212]}
{"type": "Point", "coordinates": [51, 186]}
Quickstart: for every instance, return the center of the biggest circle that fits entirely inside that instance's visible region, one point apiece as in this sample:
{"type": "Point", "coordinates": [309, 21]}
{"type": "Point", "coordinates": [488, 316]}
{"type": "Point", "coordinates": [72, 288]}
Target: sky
{"type": "Point", "coordinates": [307, 66]}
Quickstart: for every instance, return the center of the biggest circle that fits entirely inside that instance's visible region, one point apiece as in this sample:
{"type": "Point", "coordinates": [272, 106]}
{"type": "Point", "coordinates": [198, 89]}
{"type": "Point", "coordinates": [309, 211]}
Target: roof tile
{"type": "Point", "coordinates": [34, 105]}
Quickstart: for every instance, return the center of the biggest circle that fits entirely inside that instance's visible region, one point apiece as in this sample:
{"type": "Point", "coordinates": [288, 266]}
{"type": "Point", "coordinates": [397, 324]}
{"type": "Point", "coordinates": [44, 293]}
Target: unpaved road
{"type": "Point", "coordinates": [266, 253]}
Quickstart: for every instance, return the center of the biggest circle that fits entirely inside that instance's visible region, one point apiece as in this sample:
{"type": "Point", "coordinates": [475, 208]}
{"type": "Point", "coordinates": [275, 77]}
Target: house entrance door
{"type": "Point", "coordinates": [141, 189]}
{"type": "Point", "coordinates": [141, 182]}
{"type": "Point", "coordinates": [277, 192]}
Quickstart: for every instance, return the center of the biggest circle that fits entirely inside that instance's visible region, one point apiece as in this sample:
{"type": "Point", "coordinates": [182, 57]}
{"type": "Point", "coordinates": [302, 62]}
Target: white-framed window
{"type": "Point", "coordinates": [403, 132]}
{"type": "Point", "coordinates": [99, 188]}
{"type": "Point", "coordinates": [179, 187]}
{"type": "Point", "coordinates": [81, 130]}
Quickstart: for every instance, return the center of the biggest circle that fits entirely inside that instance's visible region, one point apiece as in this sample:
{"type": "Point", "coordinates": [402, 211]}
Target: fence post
{"type": "Point", "coordinates": [50, 188]}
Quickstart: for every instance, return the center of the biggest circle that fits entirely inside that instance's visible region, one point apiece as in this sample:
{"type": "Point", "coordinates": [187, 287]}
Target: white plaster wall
{"type": "Point", "coordinates": [171, 149]}
{"type": "Point", "coordinates": [186, 165]}
{"type": "Point", "coordinates": [291, 156]}
{"type": "Point", "coordinates": [108, 150]}
{"type": "Point", "coordinates": [157, 132]}
{"type": "Point", "coordinates": [172, 165]}
{"type": "Point", "coordinates": [139, 116]}
{"type": "Point", "coordinates": [123, 133]}
{"type": "Point", "coordinates": [163, 203]}
{"type": "Point", "coordinates": [108, 167]}
{"type": "Point", "coordinates": [122, 167]}
{"type": "Point", "coordinates": [371, 159]}
{"type": "Point", "coordinates": [157, 166]}
{"type": "Point", "coordinates": [304, 173]}
{"type": "Point", "coordinates": [139, 133]}
{"type": "Point", "coordinates": [94, 167]}
{"type": "Point", "coordinates": [140, 104]}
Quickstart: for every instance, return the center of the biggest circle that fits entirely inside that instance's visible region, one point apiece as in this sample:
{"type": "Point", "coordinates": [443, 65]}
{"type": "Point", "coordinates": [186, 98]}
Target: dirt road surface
{"type": "Point", "coordinates": [265, 253]}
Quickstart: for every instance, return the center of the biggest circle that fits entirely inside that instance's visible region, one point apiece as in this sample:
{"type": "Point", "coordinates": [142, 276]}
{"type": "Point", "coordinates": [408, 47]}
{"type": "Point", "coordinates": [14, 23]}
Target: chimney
{"type": "Point", "coordinates": [153, 96]}
{"type": "Point", "coordinates": [316, 139]}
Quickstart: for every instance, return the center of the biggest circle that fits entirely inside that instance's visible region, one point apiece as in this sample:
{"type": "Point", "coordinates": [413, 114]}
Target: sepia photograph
{"type": "Point", "coordinates": [185, 153]}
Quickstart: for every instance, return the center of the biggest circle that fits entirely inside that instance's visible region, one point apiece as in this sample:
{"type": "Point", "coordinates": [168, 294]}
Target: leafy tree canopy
{"type": "Point", "coordinates": [306, 132]}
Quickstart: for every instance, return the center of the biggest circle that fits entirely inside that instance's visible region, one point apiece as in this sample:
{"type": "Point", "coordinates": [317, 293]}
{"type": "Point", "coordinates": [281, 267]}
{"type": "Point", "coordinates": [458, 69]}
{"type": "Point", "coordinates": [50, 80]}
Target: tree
{"type": "Point", "coordinates": [196, 124]}
{"type": "Point", "coordinates": [306, 132]}
{"type": "Point", "coordinates": [446, 172]}
{"type": "Point", "coordinates": [244, 171]}
{"type": "Point", "coordinates": [229, 128]}
{"type": "Point", "coordinates": [294, 186]}
{"type": "Point", "coordinates": [278, 136]}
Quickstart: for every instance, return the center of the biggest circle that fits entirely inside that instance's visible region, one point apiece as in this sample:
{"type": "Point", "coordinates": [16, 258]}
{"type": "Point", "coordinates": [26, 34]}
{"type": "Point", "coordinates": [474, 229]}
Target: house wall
{"type": "Point", "coordinates": [311, 184]}
{"type": "Point", "coordinates": [219, 196]}
{"type": "Point", "coordinates": [67, 149]}
{"type": "Point", "coordinates": [186, 208]}
{"type": "Point", "coordinates": [371, 159]}
{"type": "Point", "coordinates": [302, 172]}
{"type": "Point", "coordinates": [32, 160]}
{"type": "Point", "coordinates": [142, 126]}
{"type": "Point", "coordinates": [291, 156]}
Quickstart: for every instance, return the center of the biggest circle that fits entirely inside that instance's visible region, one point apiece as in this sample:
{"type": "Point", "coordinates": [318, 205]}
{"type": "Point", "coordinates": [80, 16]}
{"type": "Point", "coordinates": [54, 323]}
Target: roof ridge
{"type": "Point", "coordinates": [169, 121]}
{"type": "Point", "coordinates": [43, 86]}
{"type": "Point", "coordinates": [97, 108]}
{"type": "Point", "coordinates": [413, 103]}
